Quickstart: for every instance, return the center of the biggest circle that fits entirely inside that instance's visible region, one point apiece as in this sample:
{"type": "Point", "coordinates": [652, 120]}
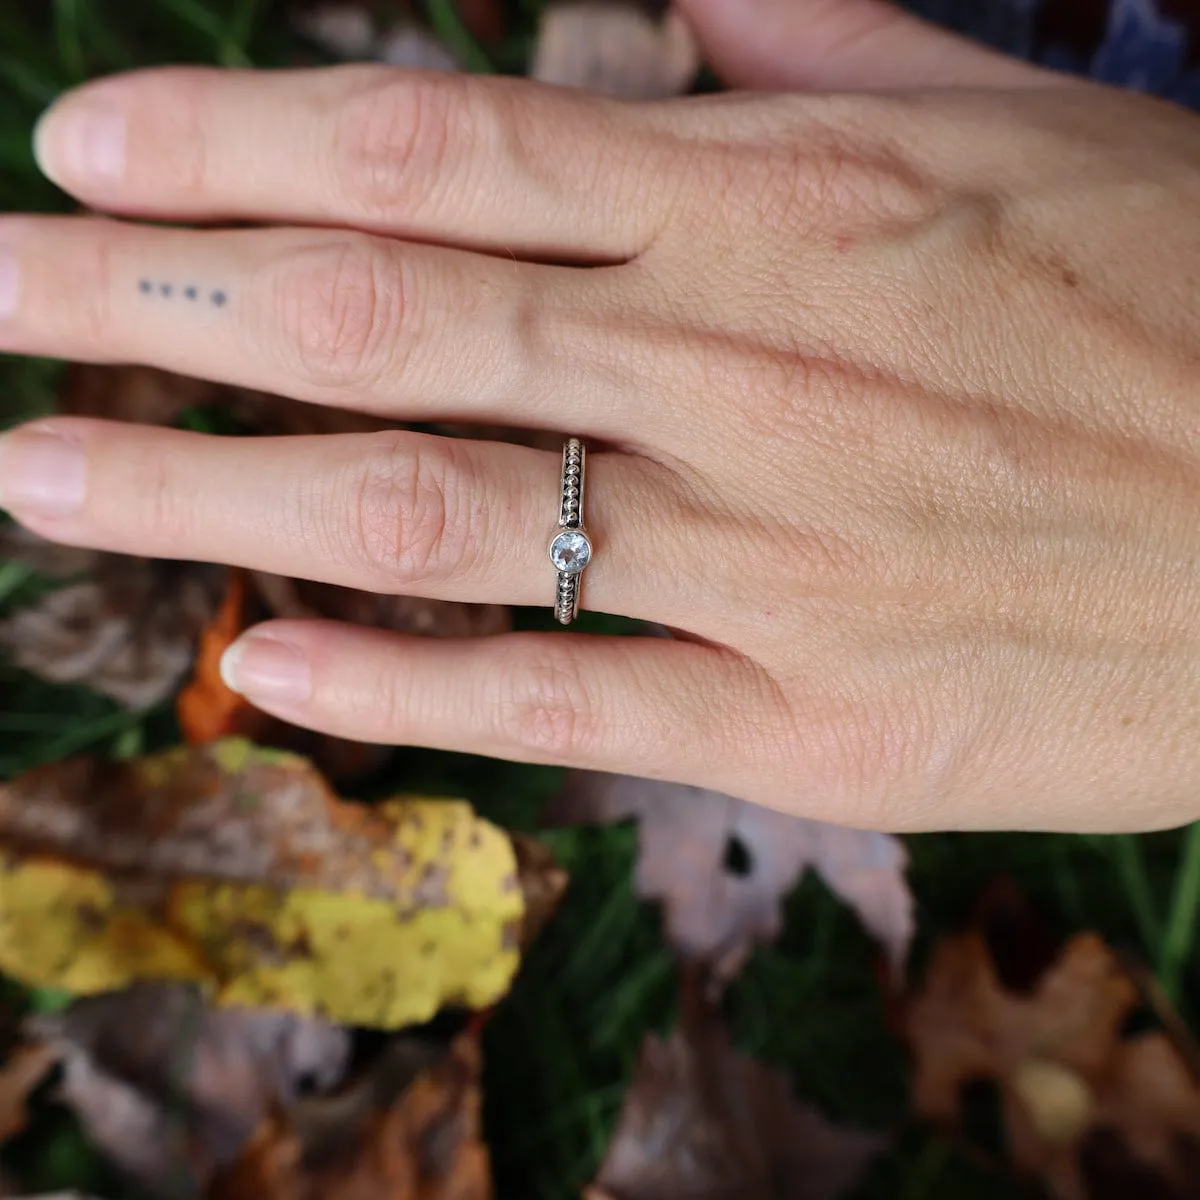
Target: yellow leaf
{"type": "Point", "coordinates": [238, 868]}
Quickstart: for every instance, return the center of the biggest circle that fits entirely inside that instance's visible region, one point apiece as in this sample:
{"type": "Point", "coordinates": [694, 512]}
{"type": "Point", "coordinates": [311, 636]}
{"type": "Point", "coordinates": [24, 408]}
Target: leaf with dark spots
{"type": "Point", "coordinates": [721, 866]}
{"type": "Point", "coordinates": [160, 868]}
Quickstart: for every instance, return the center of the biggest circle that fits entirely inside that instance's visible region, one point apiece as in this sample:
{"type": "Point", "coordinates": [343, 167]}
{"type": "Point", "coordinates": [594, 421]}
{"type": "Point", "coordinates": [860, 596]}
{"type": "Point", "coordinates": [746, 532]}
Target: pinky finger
{"type": "Point", "coordinates": [641, 706]}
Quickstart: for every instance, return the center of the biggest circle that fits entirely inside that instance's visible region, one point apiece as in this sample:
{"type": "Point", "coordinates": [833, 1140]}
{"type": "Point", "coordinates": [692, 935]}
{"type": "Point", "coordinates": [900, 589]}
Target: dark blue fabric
{"type": "Point", "coordinates": [1150, 45]}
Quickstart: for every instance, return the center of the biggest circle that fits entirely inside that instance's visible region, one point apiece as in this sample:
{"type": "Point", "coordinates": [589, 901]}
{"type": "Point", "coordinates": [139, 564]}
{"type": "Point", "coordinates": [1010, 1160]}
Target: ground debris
{"type": "Point", "coordinates": [149, 396]}
{"type": "Point", "coordinates": [128, 630]}
{"type": "Point", "coordinates": [409, 1130]}
{"type": "Point", "coordinates": [722, 866]}
{"type": "Point", "coordinates": [352, 32]}
{"type": "Point", "coordinates": [616, 49]}
{"type": "Point", "coordinates": [1091, 1110]}
{"type": "Point", "coordinates": [701, 1120]}
{"type": "Point", "coordinates": [25, 1067]}
{"type": "Point", "coordinates": [240, 868]}
{"type": "Point", "coordinates": [170, 1088]}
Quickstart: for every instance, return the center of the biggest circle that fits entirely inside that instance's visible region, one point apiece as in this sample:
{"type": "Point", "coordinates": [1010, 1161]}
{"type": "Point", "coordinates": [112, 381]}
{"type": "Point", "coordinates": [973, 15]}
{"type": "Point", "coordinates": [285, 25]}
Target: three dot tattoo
{"type": "Point", "coordinates": [147, 287]}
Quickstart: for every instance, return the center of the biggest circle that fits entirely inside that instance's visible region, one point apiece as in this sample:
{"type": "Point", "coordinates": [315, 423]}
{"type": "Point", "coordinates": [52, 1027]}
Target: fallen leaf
{"type": "Point", "coordinates": [721, 866]}
{"type": "Point", "coordinates": [543, 883]}
{"type": "Point", "coordinates": [1074, 1091]}
{"type": "Point", "coordinates": [701, 1120]}
{"type": "Point", "coordinates": [149, 396]}
{"type": "Point", "coordinates": [54, 561]}
{"type": "Point", "coordinates": [350, 32]}
{"type": "Point", "coordinates": [302, 598]}
{"type": "Point", "coordinates": [171, 1088]}
{"type": "Point", "coordinates": [128, 631]}
{"type": "Point", "coordinates": [239, 868]}
{"type": "Point", "coordinates": [27, 1065]}
{"type": "Point", "coordinates": [345, 31]}
{"type": "Point", "coordinates": [207, 708]}
{"type": "Point", "coordinates": [483, 19]}
{"type": "Point", "coordinates": [409, 1131]}
{"type": "Point", "coordinates": [616, 49]}
{"type": "Point", "coordinates": [131, 393]}
{"type": "Point", "coordinates": [414, 49]}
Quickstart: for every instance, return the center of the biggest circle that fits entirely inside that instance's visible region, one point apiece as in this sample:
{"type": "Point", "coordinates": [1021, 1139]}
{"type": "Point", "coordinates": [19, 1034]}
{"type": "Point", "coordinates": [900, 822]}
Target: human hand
{"type": "Point", "coordinates": [894, 394]}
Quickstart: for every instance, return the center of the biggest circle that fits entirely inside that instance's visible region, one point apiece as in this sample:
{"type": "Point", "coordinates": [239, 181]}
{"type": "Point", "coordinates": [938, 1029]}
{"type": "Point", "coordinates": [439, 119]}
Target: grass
{"type": "Point", "coordinates": [561, 1049]}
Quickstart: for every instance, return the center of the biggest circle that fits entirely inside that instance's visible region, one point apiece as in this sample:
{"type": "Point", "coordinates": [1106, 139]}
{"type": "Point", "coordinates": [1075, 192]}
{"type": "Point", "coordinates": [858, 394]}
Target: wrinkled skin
{"type": "Point", "coordinates": [891, 394]}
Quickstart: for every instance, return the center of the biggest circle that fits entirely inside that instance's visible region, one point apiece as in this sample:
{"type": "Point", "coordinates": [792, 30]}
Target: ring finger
{"type": "Point", "coordinates": [333, 317]}
{"type": "Point", "coordinates": [392, 512]}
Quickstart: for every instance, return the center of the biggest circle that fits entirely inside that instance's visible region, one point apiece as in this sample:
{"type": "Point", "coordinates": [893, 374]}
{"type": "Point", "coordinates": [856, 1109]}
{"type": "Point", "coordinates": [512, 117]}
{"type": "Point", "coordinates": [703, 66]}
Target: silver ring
{"type": "Point", "coordinates": [570, 548]}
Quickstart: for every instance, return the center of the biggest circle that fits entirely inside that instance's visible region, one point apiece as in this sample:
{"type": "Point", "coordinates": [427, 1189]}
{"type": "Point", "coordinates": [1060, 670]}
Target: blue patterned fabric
{"type": "Point", "coordinates": [1149, 45]}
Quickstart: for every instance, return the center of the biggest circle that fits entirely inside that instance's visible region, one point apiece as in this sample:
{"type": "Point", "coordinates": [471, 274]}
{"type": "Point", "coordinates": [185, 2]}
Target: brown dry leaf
{"type": "Point", "coordinates": [484, 20]}
{"type": "Point", "coordinates": [302, 598]}
{"type": "Point", "coordinates": [27, 1065]}
{"type": "Point", "coordinates": [409, 1131]}
{"type": "Point", "coordinates": [543, 883]}
{"type": "Point", "coordinates": [721, 866]}
{"type": "Point", "coordinates": [616, 49]}
{"type": "Point", "coordinates": [128, 631]}
{"type": "Point", "coordinates": [129, 393]}
{"type": "Point", "coordinates": [704, 1122]}
{"type": "Point", "coordinates": [1089, 1111]}
{"type": "Point", "coordinates": [170, 1088]}
{"type": "Point", "coordinates": [18, 544]}
{"type": "Point", "coordinates": [238, 867]}
{"type": "Point", "coordinates": [152, 397]}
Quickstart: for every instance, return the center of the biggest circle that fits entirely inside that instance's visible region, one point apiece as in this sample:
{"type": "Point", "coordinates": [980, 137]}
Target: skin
{"type": "Point", "coordinates": [893, 385]}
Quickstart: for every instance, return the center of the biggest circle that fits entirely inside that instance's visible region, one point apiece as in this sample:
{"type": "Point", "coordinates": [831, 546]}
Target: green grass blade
{"type": "Point", "coordinates": [1180, 932]}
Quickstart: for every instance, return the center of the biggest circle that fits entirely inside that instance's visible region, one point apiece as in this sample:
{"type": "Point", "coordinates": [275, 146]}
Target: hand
{"type": "Point", "coordinates": [897, 391]}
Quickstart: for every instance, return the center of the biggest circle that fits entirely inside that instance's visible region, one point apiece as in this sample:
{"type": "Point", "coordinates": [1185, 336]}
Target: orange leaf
{"type": "Point", "coordinates": [410, 1130]}
{"type": "Point", "coordinates": [207, 708]}
{"type": "Point", "coordinates": [27, 1066]}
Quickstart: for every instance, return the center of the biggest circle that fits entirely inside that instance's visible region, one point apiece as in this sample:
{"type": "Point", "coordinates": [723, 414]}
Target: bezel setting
{"type": "Point", "coordinates": [570, 550]}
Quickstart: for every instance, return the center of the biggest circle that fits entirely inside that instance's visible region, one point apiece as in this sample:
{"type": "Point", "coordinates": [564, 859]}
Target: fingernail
{"type": "Point", "coordinates": [41, 474]}
{"type": "Point", "coordinates": [261, 667]}
{"type": "Point", "coordinates": [81, 142]}
{"type": "Point", "coordinates": [10, 282]}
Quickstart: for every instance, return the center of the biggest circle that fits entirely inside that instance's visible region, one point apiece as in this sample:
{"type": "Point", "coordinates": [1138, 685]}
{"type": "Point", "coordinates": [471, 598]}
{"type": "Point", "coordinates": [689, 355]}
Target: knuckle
{"type": "Point", "coordinates": [545, 707]}
{"type": "Point", "coordinates": [393, 142]}
{"type": "Point", "coordinates": [849, 170]}
{"type": "Point", "coordinates": [164, 516]}
{"type": "Point", "coordinates": [339, 308]}
{"type": "Point", "coordinates": [409, 525]}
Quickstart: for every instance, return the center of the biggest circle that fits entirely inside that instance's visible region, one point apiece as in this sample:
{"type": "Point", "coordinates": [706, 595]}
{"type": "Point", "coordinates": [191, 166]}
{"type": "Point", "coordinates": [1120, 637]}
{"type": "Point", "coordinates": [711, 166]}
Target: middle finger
{"type": "Point", "coordinates": [333, 317]}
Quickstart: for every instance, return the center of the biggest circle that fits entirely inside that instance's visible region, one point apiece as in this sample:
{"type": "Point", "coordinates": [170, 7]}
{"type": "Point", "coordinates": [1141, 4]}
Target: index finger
{"type": "Point", "coordinates": [483, 163]}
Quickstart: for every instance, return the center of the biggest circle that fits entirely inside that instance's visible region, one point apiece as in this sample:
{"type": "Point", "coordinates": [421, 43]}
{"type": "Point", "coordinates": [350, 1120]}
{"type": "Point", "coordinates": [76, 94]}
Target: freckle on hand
{"type": "Point", "coordinates": [145, 287]}
{"type": "Point", "coordinates": [219, 299]}
{"type": "Point", "coordinates": [166, 289]}
{"type": "Point", "coordinates": [190, 293]}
